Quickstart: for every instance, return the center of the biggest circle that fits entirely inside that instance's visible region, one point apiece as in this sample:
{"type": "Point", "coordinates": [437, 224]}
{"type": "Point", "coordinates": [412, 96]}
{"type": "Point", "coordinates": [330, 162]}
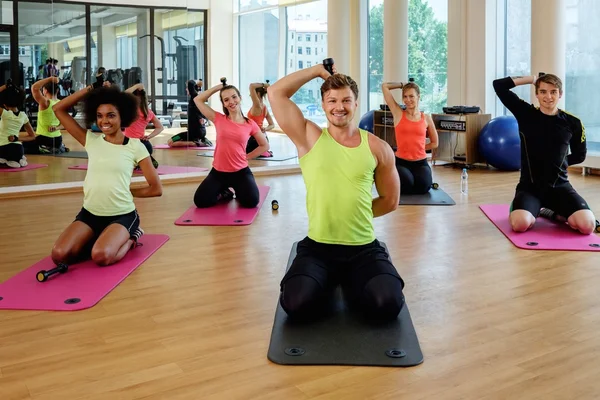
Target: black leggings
{"type": "Point", "coordinates": [242, 182]}
{"type": "Point", "coordinates": [369, 280]}
{"type": "Point", "coordinates": [52, 143]}
{"type": "Point", "coordinates": [12, 152]}
{"type": "Point", "coordinates": [148, 146]}
{"type": "Point", "coordinates": [415, 176]}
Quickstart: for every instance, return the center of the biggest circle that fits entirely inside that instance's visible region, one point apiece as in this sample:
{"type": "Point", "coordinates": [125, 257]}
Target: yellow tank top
{"type": "Point", "coordinates": [46, 119]}
{"type": "Point", "coordinates": [338, 183]}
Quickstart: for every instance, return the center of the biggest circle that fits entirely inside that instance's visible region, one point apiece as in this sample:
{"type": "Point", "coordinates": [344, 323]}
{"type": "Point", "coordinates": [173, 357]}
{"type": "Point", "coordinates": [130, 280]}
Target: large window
{"type": "Point", "coordinates": [258, 50]}
{"type": "Point", "coordinates": [518, 44]}
{"type": "Point", "coordinates": [583, 66]}
{"type": "Point", "coordinates": [427, 52]}
{"type": "Point", "coordinates": [305, 22]}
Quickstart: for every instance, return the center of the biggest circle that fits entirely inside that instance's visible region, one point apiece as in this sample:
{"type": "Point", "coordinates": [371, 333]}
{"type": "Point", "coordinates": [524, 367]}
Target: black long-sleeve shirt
{"type": "Point", "coordinates": [545, 139]}
{"type": "Point", "coordinates": [194, 116]}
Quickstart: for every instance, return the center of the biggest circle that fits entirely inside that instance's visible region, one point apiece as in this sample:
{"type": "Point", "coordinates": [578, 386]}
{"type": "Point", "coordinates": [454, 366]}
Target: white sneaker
{"type": "Point", "coordinates": [13, 164]}
{"type": "Point", "coordinates": [3, 161]}
{"type": "Point", "coordinates": [23, 161]}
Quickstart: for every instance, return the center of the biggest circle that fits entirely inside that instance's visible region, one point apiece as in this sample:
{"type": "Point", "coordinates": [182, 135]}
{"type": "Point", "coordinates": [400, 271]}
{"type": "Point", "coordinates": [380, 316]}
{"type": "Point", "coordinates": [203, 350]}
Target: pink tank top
{"type": "Point", "coordinates": [259, 119]}
{"type": "Point", "coordinates": [410, 138]}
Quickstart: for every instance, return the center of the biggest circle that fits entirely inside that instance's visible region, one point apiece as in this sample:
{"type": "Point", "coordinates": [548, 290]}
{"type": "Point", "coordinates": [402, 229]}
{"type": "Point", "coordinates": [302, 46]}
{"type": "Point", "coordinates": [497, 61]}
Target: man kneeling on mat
{"type": "Point", "coordinates": [339, 165]}
{"type": "Point", "coordinates": [547, 133]}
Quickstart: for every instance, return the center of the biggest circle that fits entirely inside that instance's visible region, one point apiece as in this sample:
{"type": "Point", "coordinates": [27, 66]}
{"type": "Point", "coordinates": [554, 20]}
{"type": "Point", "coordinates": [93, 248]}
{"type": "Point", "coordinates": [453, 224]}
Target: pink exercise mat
{"type": "Point", "coordinates": [83, 286]}
{"type": "Point", "coordinates": [162, 169]}
{"type": "Point", "coordinates": [27, 168]}
{"type": "Point", "coordinates": [166, 147]}
{"type": "Point", "coordinates": [545, 234]}
{"type": "Point", "coordinates": [223, 214]}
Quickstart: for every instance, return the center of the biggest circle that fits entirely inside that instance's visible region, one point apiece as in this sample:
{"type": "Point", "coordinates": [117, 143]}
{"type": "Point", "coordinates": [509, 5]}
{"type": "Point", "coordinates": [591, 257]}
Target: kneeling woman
{"type": "Point", "coordinates": [230, 164]}
{"type": "Point", "coordinates": [411, 126]}
{"type": "Point", "coordinates": [108, 224]}
{"type": "Point", "coordinates": [12, 153]}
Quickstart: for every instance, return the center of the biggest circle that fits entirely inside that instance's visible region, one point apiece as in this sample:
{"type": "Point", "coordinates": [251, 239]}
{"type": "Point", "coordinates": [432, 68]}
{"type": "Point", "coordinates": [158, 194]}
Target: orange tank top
{"type": "Point", "coordinates": [259, 119]}
{"type": "Point", "coordinates": [410, 138]}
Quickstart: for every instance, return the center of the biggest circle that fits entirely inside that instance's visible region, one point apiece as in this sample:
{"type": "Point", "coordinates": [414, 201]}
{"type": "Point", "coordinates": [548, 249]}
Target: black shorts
{"type": "Point", "coordinates": [563, 200]}
{"type": "Point", "coordinates": [334, 264]}
{"type": "Point", "coordinates": [131, 221]}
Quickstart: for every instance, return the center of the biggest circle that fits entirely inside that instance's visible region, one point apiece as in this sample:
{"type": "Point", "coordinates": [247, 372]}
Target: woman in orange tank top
{"type": "Point", "coordinates": [258, 113]}
{"type": "Point", "coordinates": [411, 127]}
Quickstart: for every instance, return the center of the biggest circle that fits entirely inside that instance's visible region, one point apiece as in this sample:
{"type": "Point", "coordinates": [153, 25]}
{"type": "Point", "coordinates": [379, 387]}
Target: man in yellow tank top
{"type": "Point", "coordinates": [339, 166]}
{"type": "Point", "coordinates": [48, 138]}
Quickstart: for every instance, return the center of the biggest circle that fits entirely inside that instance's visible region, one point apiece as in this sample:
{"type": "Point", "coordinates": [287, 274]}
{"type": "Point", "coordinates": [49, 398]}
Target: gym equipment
{"type": "Point", "coordinates": [274, 158]}
{"type": "Point", "coordinates": [83, 286]}
{"type": "Point", "coordinates": [223, 214]}
{"type": "Point", "coordinates": [43, 275]}
{"type": "Point", "coordinates": [328, 64]}
{"type": "Point", "coordinates": [224, 81]}
{"type": "Point", "coordinates": [435, 197]}
{"type": "Point", "coordinates": [500, 144]}
{"type": "Point", "coordinates": [275, 205]}
{"type": "Point", "coordinates": [161, 170]}
{"type": "Point", "coordinates": [435, 186]}
{"type": "Point", "coordinates": [186, 62]}
{"type": "Point", "coordinates": [344, 338]}
{"type": "Point", "coordinates": [461, 110]}
{"type": "Point", "coordinates": [5, 72]}
{"type": "Point", "coordinates": [166, 147]}
{"type": "Point", "coordinates": [29, 167]}
{"type": "Point", "coordinates": [545, 234]}
{"type": "Point", "coordinates": [367, 121]}
{"type": "Point", "coordinates": [68, 154]}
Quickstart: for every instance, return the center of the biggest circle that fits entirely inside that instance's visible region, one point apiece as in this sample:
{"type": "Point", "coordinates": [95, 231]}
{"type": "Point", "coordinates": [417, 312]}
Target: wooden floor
{"type": "Point", "coordinates": [194, 321]}
{"type": "Point", "coordinates": [57, 170]}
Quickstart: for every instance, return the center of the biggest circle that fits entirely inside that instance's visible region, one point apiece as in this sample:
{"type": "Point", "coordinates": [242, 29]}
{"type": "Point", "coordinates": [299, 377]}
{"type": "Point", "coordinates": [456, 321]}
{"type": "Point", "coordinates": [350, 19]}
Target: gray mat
{"type": "Point", "coordinates": [344, 338]}
{"type": "Point", "coordinates": [69, 154]}
{"type": "Point", "coordinates": [435, 197]}
{"type": "Point", "coordinates": [274, 158]}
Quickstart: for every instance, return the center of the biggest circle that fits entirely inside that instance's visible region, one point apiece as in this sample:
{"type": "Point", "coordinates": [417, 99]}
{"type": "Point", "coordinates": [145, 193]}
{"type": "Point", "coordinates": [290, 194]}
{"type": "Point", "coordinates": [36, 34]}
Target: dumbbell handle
{"type": "Point", "coordinates": [328, 64]}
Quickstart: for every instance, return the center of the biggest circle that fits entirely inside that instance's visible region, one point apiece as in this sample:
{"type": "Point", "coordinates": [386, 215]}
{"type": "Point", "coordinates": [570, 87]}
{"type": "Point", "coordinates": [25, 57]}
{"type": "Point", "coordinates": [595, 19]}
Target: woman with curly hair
{"type": "Point", "coordinates": [108, 225]}
{"type": "Point", "coordinates": [12, 153]}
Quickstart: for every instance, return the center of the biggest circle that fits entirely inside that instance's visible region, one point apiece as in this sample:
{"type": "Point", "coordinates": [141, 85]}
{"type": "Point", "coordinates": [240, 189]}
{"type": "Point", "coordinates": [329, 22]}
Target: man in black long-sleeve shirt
{"type": "Point", "coordinates": [546, 135]}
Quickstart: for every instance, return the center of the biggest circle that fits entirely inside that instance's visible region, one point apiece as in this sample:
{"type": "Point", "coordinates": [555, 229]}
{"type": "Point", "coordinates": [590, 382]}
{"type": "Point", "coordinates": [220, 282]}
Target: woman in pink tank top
{"type": "Point", "coordinates": [258, 112]}
{"type": "Point", "coordinates": [230, 163]}
{"type": "Point", "coordinates": [411, 127]}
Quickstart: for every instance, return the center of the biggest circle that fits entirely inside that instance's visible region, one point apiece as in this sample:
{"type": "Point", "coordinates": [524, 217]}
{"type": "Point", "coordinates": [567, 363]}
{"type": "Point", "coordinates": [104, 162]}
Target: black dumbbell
{"type": "Point", "coordinates": [43, 276]}
{"type": "Point", "coordinates": [541, 74]}
{"type": "Point", "coordinates": [267, 81]}
{"type": "Point", "coordinates": [328, 64]}
{"type": "Point", "coordinates": [275, 205]}
{"type": "Point", "coordinates": [435, 186]}
{"type": "Point", "coordinates": [224, 81]}
{"type": "Point", "coordinates": [411, 79]}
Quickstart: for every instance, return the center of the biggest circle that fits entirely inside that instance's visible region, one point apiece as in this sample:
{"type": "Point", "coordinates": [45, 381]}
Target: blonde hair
{"type": "Point", "coordinates": [411, 85]}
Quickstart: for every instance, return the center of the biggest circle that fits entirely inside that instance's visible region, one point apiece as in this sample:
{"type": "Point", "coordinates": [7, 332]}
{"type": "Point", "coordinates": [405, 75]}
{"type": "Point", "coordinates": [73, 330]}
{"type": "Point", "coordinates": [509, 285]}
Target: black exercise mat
{"type": "Point", "coordinates": [435, 197]}
{"type": "Point", "coordinates": [274, 158]}
{"type": "Point", "coordinates": [343, 338]}
{"type": "Point", "coordinates": [70, 154]}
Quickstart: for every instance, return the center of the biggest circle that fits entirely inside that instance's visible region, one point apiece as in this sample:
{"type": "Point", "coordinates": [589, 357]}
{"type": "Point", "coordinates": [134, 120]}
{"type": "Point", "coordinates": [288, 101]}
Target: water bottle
{"type": "Point", "coordinates": [464, 181]}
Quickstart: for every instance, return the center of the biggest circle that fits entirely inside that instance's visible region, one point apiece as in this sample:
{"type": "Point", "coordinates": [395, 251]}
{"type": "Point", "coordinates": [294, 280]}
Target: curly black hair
{"type": "Point", "coordinates": [12, 96]}
{"type": "Point", "coordinates": [126, 104]}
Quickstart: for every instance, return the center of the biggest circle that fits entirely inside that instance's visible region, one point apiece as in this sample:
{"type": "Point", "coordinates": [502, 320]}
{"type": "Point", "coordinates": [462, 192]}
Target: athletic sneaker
{"type": "Point", "coordinates": [548, 214]}
{"type": "Point", "coordinates": [226, 195]}
{"type": "Point", "coordinates": [204, 143]}
{"type": "Point", "coordinates": [137, 234]}
{"type": "Point", "coordinates": [45, 150]}
{"type": "Point", "coordinates": [154, 162]}
{"type": "Point", "coordinates": [13, 164]}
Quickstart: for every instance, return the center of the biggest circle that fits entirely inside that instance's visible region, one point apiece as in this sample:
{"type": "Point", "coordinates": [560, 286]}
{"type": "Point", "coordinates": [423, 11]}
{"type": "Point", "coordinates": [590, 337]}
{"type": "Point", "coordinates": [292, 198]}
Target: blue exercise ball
{"type": "Point", "coordinates": [500, 144]}
{"type": "Point", "coordinates": [366, 122]}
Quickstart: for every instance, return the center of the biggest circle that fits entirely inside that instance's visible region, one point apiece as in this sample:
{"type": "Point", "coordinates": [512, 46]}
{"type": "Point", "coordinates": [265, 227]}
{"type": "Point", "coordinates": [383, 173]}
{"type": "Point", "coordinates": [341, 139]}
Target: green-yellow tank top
{"type": "Point", "coordinates": [339, 182]}
{"type": "Point", "coordinates": [46, 119]}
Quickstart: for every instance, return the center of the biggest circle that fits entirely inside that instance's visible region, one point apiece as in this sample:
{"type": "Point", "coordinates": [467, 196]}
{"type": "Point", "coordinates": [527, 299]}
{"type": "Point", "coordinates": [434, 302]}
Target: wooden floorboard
{"type": "Point", "coordinates": [194, 321]}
